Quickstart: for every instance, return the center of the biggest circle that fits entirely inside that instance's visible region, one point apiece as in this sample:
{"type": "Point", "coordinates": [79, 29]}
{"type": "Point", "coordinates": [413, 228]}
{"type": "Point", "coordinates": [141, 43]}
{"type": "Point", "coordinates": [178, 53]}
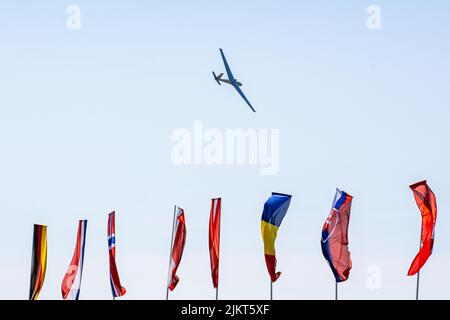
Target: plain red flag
{"type": "Point", "coordinates": [214, 239]}
{"type": "Point", "coordinates": [426, 201]}
{"type": "Point", "coordinates": [178, 243]}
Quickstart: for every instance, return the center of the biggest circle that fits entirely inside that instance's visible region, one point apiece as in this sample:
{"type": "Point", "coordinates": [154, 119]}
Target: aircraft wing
{"type": "Point", "coordinates": [243, 96]}
{"type": "Point", "coordinates": [227, 67]}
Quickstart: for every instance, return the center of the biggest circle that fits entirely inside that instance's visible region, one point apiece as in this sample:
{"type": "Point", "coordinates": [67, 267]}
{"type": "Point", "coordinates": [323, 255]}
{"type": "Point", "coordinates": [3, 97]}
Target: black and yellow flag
{"type": "Point", "coordinates": [38, 260]}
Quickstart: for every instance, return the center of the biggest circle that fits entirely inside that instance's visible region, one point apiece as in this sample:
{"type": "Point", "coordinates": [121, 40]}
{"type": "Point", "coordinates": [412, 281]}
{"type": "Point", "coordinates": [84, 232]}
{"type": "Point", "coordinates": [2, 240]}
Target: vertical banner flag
{"type": "Point", "coordinates": [275, 209]}
{"type": "Point", "coordinates": [71, 283]}
{"type": "Point", "coordinates": [335, 236]}
{"type": "Point", "coordinates": [116, 287]}
{"type": "Point", "coordinates": [178, 241]}
{"type": "Point", "coordinates": [426, 201]}
{"type": "Point", "coordinates": [214, 239]}
{"type": "Point", "coordinates": [38, 260]}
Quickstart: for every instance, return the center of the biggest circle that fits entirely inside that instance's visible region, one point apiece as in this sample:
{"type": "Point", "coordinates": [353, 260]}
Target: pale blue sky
{"type": "Point", "coordinates": [86, 118]}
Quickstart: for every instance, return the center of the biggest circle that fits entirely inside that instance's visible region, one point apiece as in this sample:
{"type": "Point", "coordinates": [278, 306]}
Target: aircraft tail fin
{"type": "Point", "coordinates": [217, 77]}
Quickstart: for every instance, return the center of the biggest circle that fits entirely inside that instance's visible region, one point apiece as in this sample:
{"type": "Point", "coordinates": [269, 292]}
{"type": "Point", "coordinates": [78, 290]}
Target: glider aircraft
{"type": "Point", "coordinates": [231, 80]}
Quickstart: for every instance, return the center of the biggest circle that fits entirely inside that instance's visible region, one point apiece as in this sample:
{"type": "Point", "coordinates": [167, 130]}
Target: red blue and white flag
{"type": "Point", "coordinates": [178, 241]}
{"type": "Point", "coordinates": [335, 236]}
{"type": "Point", "coordinates": [71, 283]}
{"type": "Point", "coordinates": [116, 287]}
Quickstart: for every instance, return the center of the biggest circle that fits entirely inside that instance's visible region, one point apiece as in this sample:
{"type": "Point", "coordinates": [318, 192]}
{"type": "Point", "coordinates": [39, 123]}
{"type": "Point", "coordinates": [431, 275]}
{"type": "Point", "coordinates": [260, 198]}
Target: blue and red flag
{"type": "Point", "coordinates": [275, 209]}
{"type": "Point", "coordinates": [335, 236]}
{"type": "Point", "coordinates": [116, 287]}
{"type": "Point", "coordinates": [426, 201]}
{"type": "Point", "coordinates": [71, 283]}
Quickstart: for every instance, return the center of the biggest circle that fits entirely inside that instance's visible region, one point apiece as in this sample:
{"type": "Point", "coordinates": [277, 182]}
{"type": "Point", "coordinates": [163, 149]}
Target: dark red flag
{"type": "Point", "coordinates": [214, 239]}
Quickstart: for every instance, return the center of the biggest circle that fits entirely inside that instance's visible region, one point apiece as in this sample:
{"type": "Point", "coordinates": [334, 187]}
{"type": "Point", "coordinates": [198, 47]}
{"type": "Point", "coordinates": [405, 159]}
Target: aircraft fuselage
{"type": "Point", "coordinates": [230, 82]}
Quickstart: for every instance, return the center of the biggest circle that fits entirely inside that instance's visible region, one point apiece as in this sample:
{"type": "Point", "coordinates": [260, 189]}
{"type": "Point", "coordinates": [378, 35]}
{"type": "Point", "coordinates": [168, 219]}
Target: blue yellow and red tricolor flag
{"type": "Point", "coordinates": [38, 260]}
{"type": "Point", "coordinates": [116, 287]}
{"type": "Point", "coordinates": [275, 209]}
{"type": "Point", "coordinates": [334, 240]}
{"type": "Point", "coordinates": [426, 201]}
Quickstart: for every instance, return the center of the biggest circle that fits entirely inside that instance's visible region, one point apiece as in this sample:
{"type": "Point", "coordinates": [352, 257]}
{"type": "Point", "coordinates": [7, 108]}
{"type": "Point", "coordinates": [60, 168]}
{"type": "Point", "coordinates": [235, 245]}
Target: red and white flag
{"type": "Point", "coordinates": [71, 283]}
{"type": "Point", "coordinates": [214, 239]}
{"type": "Point", "coordinates": [178, 241]}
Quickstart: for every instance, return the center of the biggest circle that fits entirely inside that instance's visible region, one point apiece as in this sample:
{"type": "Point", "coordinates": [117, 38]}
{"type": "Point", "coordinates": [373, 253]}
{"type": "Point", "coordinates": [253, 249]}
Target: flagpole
{"type": "Point", "coordinates": [171, 247]}
{"type": "Point", "coordinates": [417, 286]}
{"type": "Point", "coordinates": [418, 273]}
{"type": "Point", "coordinates": [336, 291]}
{"type": "Point", "coordinates": [271, 289]}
